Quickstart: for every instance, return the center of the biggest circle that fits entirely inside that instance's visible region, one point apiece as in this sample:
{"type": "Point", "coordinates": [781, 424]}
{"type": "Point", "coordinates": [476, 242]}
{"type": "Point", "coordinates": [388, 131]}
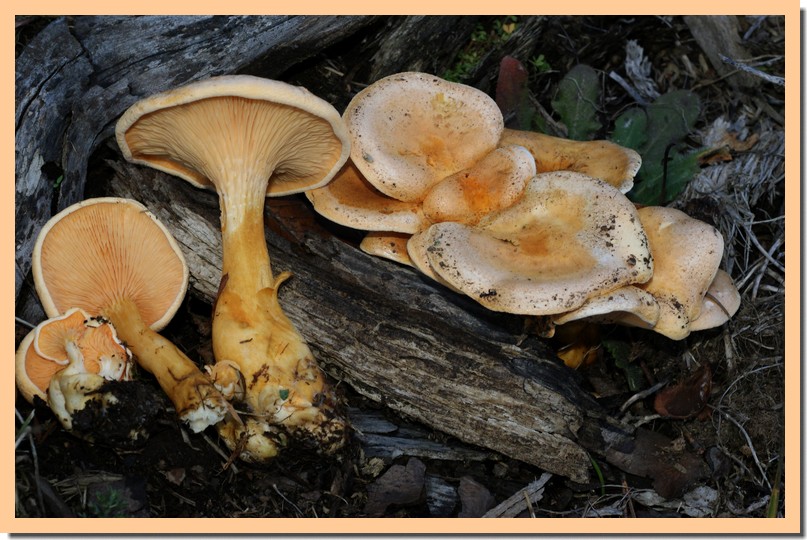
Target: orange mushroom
{"type": "Point", "coordinates": [79, 355]}
{"type": "Point", "coordinates": [568, 238]}
{"type": "Point", "coordinates": [605, 160]}
{"type": "Point", "coordinates": [686, 254]}
{"type": "Point", "coordinates": [248, 138]}
{"type": "Point", "coordinates": [111, 257]}
{"type": "Point", "coordinates": [721, 302]}
{"type": "Point", "coordinates": [410, 130]}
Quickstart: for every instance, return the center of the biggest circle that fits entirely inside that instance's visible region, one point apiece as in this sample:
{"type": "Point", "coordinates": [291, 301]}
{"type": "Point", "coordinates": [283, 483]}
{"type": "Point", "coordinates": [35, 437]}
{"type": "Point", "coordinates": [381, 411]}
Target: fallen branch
{"type": "Point", "coordinates": [753, 71]}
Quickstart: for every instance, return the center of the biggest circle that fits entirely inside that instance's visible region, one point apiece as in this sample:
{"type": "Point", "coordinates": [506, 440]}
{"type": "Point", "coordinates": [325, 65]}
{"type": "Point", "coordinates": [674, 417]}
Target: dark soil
{"type": "Point", "coordinates": [738, 432]}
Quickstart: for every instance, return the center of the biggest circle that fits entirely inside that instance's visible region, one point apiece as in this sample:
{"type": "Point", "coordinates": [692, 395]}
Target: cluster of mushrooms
{"type": "Point", "coordinates": [519, 221]}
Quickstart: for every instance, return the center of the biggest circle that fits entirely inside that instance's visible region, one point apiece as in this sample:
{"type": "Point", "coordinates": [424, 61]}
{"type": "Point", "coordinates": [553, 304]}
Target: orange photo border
{"type": "Point", "coordinates": [791, 524]}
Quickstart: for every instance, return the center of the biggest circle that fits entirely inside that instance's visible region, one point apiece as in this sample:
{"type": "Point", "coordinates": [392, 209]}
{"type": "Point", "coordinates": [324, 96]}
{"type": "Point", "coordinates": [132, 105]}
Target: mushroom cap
{"type": "Point", "coordinates": [605, 160]}
{"type": "Point", "coordinates": [417, 249]}
{"type": "Point", "coordinates": [350, 200]}
{"type": "Point", "coordinates": [100, 251]}
{"type": "Point", "coordinates": [33, 372]}
{"type": "Point", "coordinates": [686, 254]}
{"type": "Point", "coordinates": [102, 351]}
{"type": "Point", "coordinates": [49, 339]}
{"type": "Point", "coordinates": [568, 238]}
{"type": "Point", "coordinates": [237, 128]}
{"type": "Point", "coordinates": [387, 245]}
{"type": "Point", "coordinates": [721, 302]}
{"type": "Point", "coordinates": [492, 183]}
{"type": "Point", "coordinates": [629, 305]}
{"type": "Point", "coordinates": [410, 130]}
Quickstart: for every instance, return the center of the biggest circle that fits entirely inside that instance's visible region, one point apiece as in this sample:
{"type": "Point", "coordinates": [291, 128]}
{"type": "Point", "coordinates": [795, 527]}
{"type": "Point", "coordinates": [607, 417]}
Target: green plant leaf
{"type": "Point", "coordinates": [576, 102]}
{"type": "Point", "coordinates": [631, 129]}
{"type": "Point", "coordinates": [620, 351]}
{"type": "Point", "coordinates": [670, 119]}
{"type": "Point", "coordinates": [657, 132]}
{"type": "Point", "coordinates": [652, 188]}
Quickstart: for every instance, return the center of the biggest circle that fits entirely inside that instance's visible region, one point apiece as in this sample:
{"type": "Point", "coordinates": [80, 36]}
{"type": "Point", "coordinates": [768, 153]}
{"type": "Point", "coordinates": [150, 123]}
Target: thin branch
{"type": "Point", "coordinates": [629, 89]}
{"type": "Point", "coordinates": [747, 440]}
{"type": "Point", "coordinates": [753, 71]}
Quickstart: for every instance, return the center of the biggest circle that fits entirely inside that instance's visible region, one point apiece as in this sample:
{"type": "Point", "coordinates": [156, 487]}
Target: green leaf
{"type": "Point", "coordinates": [576, 102]}
{"type": "Point", "coordinates": [651, 188]}
{"type": "Point", "coordinates": [670, 119]}
{"type": "Point", "coordinates": [657, 133]}
{"type": "Point", "coordinates": [631, 129]}
{"type": "Point", "coordinates": [620, 351]}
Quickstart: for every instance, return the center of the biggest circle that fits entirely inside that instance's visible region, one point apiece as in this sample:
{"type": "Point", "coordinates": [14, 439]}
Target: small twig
{"type": "Point", "coordinates": [753, 71]}
{"type": "Point", "coordinates": [629, 89]}
{"type": "Point", "coordinates": [641, 395]}
{"type": "Point", "coordinates": [754, 27]}
{"type": "Point", "coordinates": [274, 486]}
{"type": "Point", "coordinates": [24, 322]}
{"type": "Point", "coordinates": [769, 253]}
{"type": "Point", "coordinates": [228, 460]}
{"type": "Point", "coordinates": [559, 129]}
{"type": "Point", "coordinates": [529, 504]}
{"type": "Point", "coordinates": [753, 507]}
{"type": "Point", "coordinates": [630, 511]}
{"type": "Point", "coordinates": [747, 440]}
{"type": "Point", "coordinates": [729, 354]}
{"type": "Point", "coordinates": [521, 500]}
{"type": "Point", "coordinates": [642, 420]}
{"type": "Point", "coordinates": [40, 501]}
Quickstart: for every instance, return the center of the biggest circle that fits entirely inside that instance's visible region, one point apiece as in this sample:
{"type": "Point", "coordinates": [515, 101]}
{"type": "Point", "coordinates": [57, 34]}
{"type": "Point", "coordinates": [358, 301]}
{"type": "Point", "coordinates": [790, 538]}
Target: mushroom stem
{"type": "Point", "coordinates": [195, 398]}
{"type": "Point", "coordinates": [245, 258]}
{"type": "Point", "coordinates": [284, 387]}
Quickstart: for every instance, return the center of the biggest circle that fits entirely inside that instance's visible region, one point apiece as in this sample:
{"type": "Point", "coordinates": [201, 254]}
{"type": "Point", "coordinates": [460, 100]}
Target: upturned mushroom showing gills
{"type": "Point", "coordinates": [350, 200]}
{"type": "Point", "coordinates": [65, 360]}
{"type": "Point", "coordinates": [248, 138]}
{"type": "Point", "coordinates": [111, 257]}
{"type": "Point", "coordinates": [721, 302]}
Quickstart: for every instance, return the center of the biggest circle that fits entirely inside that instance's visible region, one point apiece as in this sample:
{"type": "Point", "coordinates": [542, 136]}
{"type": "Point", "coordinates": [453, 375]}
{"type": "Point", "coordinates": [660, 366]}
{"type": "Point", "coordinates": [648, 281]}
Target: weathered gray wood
{"type": "Point", "coordinates": [51, 75]}
{"type": "Point", "coordinates": [420, 43]}
{"type": "Point", "coordinates": [720, 35]}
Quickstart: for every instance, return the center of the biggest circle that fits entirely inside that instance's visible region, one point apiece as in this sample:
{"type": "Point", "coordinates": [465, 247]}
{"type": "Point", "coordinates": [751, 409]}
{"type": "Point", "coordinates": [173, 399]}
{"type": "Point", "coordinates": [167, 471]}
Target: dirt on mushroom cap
{"type": "Point", "coordinates": [570, 237]}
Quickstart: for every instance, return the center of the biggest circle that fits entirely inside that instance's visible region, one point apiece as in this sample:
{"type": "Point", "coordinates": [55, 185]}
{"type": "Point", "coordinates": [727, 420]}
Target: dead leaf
{"type": "Point", "coordinates": [476, 499]}
{"type": "Point", "coordinates": [687, 398]}
{"type": "Point", "coordinates": [399, 486]}
{"type": "Point", "coordinates": [653, 455]}
{"type": "Point", "coordinates": [511, 93]}
{"type": "Point", "coordinates": [175, 475]}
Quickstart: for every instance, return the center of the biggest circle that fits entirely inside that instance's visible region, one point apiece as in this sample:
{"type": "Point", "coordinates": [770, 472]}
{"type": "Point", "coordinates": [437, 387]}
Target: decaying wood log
{"type": "Point", "coordinates": [391, 334]}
